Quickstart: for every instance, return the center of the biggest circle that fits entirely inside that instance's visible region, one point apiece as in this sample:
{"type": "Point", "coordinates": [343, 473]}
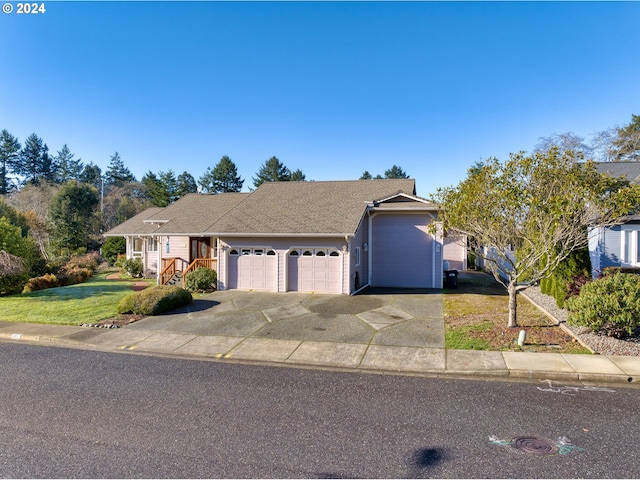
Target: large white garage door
{"type": "Point", "coordinates": [401, 251]}
{"type": "Point", "coordinates": [314, 270]}
{"type": "Point", "coordinates": [253, 269]}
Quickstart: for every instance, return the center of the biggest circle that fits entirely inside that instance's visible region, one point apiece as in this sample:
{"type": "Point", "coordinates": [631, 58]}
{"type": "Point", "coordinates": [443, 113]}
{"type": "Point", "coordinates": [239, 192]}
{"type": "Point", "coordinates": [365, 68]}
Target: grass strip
{"type": "Point", "coordinates": [87, 302]}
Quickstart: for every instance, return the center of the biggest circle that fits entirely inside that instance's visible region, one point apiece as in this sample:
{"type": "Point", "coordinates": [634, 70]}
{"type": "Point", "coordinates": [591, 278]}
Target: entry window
{"type": "Point", "coordinates": [357, 255]}
{"type": "Point", "coordinates": [152, 245]}
{"type": "Point", "coordinates": [631, 247]}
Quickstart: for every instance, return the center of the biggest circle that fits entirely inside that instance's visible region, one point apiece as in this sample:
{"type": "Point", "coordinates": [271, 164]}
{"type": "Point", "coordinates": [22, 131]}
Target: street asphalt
{"type": "Point", "coordinates": [387, 331]}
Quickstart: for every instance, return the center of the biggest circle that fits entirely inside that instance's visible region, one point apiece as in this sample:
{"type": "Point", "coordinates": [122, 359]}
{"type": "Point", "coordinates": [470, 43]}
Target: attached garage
{"type": "Point", "coordinates": [314, 270]}
{"type": "Point", "coordinates": [253, 269]}
{"type": "Point", "coordinates": [402, 252]}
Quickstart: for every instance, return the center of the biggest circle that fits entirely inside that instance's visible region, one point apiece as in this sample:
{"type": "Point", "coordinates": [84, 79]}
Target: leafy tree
{"type": "Point", "coordinates": [122, 203]}
{"type": "Point", "coordinates": [34, 163]}
{"type": "Point", "coordinates": [9, 154]}
{"type": "Point", "coordinates": [117, 174]}
{"type": "Point", "coordinates": [627, 142]}
{"type": "Point", "coordinates": [531, 212]}
{"type": "Point", "coordinates": [186, 184]}
{"type": "Point", "coordinates": [72, 216]}
{"type": "Point", "coordinates": [12, 241]}
{"type": "Point", "coordinates": [91, 174]}
{"type": "Point", "coordinates": [273, 170]}
{"type": "Point", "coordinates": [222, 178]}
{"type": "Point", "coordinates": [68, 167]}
{"type": "Point", "coordinates": [564, 142]}
{"type": "Point", "coordinates": [395, 172]}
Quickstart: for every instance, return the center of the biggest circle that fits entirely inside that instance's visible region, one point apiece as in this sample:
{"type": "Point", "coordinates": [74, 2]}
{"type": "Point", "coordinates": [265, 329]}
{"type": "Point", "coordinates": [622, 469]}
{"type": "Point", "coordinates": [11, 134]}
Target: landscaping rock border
{"type": "Point", "coordinates": [600, 344]}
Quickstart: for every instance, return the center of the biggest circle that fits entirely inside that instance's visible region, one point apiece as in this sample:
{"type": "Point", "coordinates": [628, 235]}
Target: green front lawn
{"type": "Point", "coordinates": [87, 302]}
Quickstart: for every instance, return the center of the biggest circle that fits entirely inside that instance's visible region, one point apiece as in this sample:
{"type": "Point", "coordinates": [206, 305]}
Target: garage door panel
{"type": "Point", "coordinates": [401, 251]}
{"type": "Point", "coordinates": [315, 273]}
{"type": "Point", "coordinates": [253, 272]}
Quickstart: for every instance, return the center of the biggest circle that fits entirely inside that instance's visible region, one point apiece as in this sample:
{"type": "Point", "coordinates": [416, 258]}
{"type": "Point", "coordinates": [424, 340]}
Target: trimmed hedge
{"type": "Point", "coordinates": [155, 300]}
{"type": "Point", "coordinates": [201, 280]}
{"type": "Point", "coordinates": [609, 305]}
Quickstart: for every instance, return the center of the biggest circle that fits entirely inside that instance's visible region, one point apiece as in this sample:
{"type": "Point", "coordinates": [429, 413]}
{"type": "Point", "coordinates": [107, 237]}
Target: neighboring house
{"type": "Point", "coordinates": [617, 246]}
{"type": "Point", "coordinates": [333, 236]}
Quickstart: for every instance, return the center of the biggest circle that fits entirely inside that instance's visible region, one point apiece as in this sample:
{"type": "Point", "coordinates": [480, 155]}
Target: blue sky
{"type": "Point", "coordinates": [331, 88]}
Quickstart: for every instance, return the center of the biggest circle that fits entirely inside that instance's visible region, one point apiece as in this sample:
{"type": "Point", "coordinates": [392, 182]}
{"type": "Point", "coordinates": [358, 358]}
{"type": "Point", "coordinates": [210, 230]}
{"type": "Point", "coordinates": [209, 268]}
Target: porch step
{"type": "Point", "coordinates": [176, 279]}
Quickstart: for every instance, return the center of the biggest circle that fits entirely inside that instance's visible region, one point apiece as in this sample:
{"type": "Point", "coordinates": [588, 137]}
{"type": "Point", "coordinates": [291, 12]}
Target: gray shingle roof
{"type": "Point", "coordinates": [276, 208]}
{"type": "Point", "coordinates": [629, 170]}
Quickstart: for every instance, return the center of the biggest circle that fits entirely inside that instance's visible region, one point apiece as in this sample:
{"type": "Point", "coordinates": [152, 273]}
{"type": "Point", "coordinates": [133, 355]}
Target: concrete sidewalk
{"type": "Point", "coordinates": [400, 333]}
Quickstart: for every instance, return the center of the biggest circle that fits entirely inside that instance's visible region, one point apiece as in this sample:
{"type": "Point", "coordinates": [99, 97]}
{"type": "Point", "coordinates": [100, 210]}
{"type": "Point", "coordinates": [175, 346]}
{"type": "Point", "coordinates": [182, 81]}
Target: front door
{"type": "Point", "coordinates": [200, 248]}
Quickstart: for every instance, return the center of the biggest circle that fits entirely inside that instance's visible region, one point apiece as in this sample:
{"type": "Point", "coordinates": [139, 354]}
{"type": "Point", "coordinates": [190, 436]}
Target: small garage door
{"type": "Point", "coordinates": [401, 251]}
{"type": "Point", "coordinates": [253, 269]}
{"type": "Point", "coordinates": [314, 270]}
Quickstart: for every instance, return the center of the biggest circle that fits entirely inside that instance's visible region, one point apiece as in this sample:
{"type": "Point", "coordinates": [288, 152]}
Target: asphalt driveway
{"type": "Point", "coordinates": [410, 318]}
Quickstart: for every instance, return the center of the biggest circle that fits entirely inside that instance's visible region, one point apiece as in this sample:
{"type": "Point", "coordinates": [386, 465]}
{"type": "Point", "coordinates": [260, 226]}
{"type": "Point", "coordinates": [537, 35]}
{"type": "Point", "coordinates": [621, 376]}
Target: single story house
{"type": "Point", "coordinates": [617, 246]}
{"type": "Point", "coordinates": [325, 236]}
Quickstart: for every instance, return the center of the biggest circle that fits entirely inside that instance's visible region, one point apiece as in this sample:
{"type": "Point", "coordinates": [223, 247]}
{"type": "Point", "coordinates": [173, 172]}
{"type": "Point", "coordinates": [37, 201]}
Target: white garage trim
{"type": "Point", "coordinates": [312, 269]}
{"type": "Point", "coordinates": [252, 268]}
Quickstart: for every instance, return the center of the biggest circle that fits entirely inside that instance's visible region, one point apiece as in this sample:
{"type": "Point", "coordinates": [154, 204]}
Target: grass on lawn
{"type": "Point", "coordinates": [87, 302]}
{"type": "Point", "coordinates": [476, 316]}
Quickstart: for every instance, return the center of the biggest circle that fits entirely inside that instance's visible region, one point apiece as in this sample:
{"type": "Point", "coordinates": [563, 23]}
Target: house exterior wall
{"type": "Point", "coordinates": [607, 245]}
{"type": "Point", "coordinates": [359, 257]}
{"type": "Point", "coordinates": [282, 246]}
{"type": "Point", "coordinates": [455, 251]}
{"type": "Point", "coordinates": [178, 249]}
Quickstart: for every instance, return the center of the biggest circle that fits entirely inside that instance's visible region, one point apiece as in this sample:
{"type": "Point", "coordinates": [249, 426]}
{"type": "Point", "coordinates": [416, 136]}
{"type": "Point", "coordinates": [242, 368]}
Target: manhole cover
{"type": "Point", "coordinates": [537, 446]}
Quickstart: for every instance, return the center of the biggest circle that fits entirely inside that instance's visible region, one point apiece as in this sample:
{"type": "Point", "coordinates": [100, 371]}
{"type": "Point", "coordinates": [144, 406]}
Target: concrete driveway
{"type": "Point", "coordinates": [409, 318]}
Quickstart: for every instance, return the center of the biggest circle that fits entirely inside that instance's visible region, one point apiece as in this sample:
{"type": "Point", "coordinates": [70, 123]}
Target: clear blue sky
{"type": "Point", "coordinates": [331, 88]}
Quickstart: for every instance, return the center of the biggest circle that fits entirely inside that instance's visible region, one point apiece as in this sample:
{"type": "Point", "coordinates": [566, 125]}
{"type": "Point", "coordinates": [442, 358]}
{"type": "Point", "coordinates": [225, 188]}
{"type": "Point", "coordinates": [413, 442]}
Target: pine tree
{"type": "Point", "coordinates": [117, 174]}
{"type": "Point", "coordinates": [273, 170]}
{"type": "Point", "coordinates": [68, 167]}
{"type": "Point", "coordinates": [222, 178]}
{"type": "Point", "coordinates": [9, 155]}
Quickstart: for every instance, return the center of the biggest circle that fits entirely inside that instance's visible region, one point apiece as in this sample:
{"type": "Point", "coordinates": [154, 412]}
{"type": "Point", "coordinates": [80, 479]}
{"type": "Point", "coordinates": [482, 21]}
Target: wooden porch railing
{"type": "Point", "coordinates": [168, 271]}
{"type": "Point", "coordinates": [211, 263]}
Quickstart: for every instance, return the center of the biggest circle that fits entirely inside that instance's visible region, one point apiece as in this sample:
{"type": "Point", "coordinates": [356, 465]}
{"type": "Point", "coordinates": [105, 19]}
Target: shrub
{"type": "Point", "coordinates": [113, 247]}
{"type": "Point", "coordinates": [155, 300]}
{"type": "Point", "coordinates": [89, 261]}
{"type": "Point", "coordinates": [560, 284]}
{"type": "Point", "coordinates": [201, 280]}
{"type": "Point", "coordinates": [13, 283]}
{"type": "Point", "coordinates": [132, 267]}
{"type": "Point", "coordinates": [48, 280]}
{"type": "Point", "coordinates": [610, 305]}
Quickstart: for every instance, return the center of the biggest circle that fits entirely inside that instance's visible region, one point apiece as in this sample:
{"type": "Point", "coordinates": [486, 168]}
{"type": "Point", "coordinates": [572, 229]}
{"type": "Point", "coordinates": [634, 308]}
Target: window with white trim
{"type": "Point", "coordinates": [152, 244]}
{"type": "Point", "coordinates": [631, 247]}
{"type": "Point", "coordinates": [357, 255]}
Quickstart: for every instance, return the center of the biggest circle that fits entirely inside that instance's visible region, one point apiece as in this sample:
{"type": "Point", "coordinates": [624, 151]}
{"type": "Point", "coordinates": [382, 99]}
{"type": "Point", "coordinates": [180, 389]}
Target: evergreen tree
{"type": "Point", "coordinates": [297, 176]}
{"type": "Point", "coordinates": [72, 216]}
{"type": "Point", "coordinates": [273, 170]}
{"type": "Point", "coordinates": [68, 167]}
{"type": "Point", "coordinates": [222, 178]}
{"type": "Point", "coordinates": [365, 175]}
{"type": "Point", "coordinates": [9, 155]}
{"type": "Point", "coordinates": [395, 172]}
{"type": "Point", "coordinates": [186, 184]}
{"type": "Point", "coordinates": [627, 143]}
{"type": "Point", "coordinates": [34, 163]}
{"type": "Point", "coordinates": [117, 173]}
{"type": "Point", "coordinates": [91, 174]}
{"type": "Point", "coordinates": [162, 190]}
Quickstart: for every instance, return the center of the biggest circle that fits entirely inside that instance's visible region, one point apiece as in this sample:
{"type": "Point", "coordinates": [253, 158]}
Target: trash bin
{"type": "Point", "coordinates": [451, 279]}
